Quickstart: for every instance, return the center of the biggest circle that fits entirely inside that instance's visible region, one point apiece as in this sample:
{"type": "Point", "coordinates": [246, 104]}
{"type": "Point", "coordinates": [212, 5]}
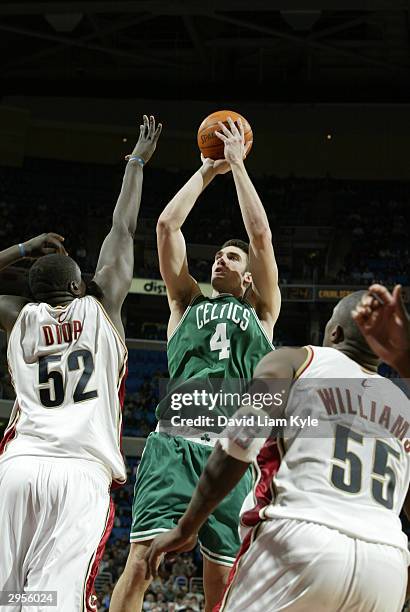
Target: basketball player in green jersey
{"type": "Point", "coordinates": [223, 336]}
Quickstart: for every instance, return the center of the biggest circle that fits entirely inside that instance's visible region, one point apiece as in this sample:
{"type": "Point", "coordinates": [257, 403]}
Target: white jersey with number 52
{"type": "Point", "coordinates": [68, 367]}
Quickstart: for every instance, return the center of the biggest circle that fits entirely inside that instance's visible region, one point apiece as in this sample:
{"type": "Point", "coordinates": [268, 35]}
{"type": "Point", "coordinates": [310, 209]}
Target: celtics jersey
{"type": "Point", "coordinates": [217, 339]}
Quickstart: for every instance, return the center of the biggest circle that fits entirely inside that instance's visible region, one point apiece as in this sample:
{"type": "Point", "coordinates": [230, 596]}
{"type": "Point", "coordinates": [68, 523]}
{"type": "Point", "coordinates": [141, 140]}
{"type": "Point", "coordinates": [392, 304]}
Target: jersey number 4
{"type": "Point", "coordinates": [346, 462]}
{"type": "Point", "coordinates": [54, 379]}
{"type": "Point", "coordinates": [220, 341]}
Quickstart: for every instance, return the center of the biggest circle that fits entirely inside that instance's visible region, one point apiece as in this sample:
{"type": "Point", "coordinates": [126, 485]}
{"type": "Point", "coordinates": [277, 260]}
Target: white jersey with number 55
{"type": "Point", "coordinates": [68, 367]}
{"type": "Point", "coordinates": [348, 467]}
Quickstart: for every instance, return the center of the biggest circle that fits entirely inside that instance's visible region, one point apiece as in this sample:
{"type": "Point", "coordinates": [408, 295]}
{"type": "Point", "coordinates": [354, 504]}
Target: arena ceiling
{"type": "Point", "coordinates": [288, 51]}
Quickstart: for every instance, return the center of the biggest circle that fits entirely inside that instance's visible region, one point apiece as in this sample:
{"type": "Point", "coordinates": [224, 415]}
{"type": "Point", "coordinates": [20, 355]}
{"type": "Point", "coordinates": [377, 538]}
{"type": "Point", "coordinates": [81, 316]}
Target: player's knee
{"type": "Point", "coordinates": [136, 569]}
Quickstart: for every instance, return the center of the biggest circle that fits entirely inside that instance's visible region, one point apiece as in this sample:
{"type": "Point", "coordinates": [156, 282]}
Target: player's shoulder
{"type": "Point", "coordinates": [13, 302]}
{"type": "Point", "coordinates": [91, 306]}
{"type": "Point", "coordinates": [85, 302]}
{"type": "Point", "coordinates": [281, 359]}
{"type": "Point", "coordinates": [95, 306]}
{"type": "Point", "coordinates": [393, 391]}
{"type": "Point", "coordinates": [11, 308]}
{"type": "Point", "coordinates": [328, 353]}
{"type": "Point", "coordinates": [327, 362]}
{"type": "Point", "coordinates": [323, 350]}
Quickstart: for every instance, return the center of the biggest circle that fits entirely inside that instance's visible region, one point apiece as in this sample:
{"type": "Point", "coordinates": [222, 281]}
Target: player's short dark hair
{"type": "Point", "coordinates": [236, 242]}
{"type": "Point", "coordinates": [239, 244]}
{"type": "Point", "coordinates": [52, 274]}
{"type": "Point", "coordinates": [343, 317]}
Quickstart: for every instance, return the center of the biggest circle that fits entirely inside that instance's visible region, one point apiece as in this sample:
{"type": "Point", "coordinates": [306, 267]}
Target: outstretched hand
{"type": "Point", "coordinates": [219, 166]}
{"type": "Point", "coordinates": [45, 244]}
{"type": "Point", "coordinates": [384, 322]}
{"type": "Point", "coordinates": [235, 149]}
{"type": "Point", "coordinates": [171, 541]}
{"type": "Point", "coordinates": [147, 141]}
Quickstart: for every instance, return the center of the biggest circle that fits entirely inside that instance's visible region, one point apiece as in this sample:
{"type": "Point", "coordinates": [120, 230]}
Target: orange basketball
{"type": "Point", "coordinates": [210, 145]}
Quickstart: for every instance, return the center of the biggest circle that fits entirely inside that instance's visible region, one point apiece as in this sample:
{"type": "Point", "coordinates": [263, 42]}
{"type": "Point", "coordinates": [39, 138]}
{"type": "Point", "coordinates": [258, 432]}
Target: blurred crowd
{"type": "Point", "coordinates": [380, 247]}
{"type": "Point", "coordinates": [369, 223]}
{"type": "Point", "coordinates": [371, 218]}
{"type": "Point", "coordinates": [179, 584]}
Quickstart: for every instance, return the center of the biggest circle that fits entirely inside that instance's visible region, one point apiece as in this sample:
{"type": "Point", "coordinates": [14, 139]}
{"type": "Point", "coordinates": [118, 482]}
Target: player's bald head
{"type": "Point", "coordinates": [53, 275]}
{"type": "Point", "coordinates": [342, 329]}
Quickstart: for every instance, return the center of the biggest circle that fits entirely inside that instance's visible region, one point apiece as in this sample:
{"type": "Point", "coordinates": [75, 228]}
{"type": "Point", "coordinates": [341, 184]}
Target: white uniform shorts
{"type": "Point", "coordinates": [55, 518]}
{"type": "Point", "coordinates": [297, 566]}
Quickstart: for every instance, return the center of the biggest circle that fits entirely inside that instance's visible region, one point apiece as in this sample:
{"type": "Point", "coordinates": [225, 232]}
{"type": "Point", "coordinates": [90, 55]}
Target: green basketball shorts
{"type": "Point", "coordinates": [167, 476]}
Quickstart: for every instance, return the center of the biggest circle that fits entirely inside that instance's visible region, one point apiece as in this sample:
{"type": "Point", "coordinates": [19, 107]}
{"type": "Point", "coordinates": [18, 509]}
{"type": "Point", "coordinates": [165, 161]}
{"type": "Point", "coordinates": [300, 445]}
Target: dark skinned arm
{"type": "Point", "coordinates": [115, 265]}
{"type": "Point", "coordinates": [44, 244]}
{"type": "Point", "coordinates": [223, 470]}
{"type": "Point", "coordinates": [384, 322]}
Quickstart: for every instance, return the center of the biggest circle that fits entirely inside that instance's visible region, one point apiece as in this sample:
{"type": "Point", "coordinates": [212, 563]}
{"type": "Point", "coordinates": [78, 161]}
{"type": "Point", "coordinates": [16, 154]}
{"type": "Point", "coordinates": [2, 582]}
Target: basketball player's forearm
{"type": "Point", "coordinates": [197, 513]}
{"type": "Point", "coordinates": [403, 366]}
{"type": "Point", "coordinates": [253, 214]}
{"type": "Point", "coordinates": [221, 474]}
{"type": "Point", "coordinates": [177, 210]}
{"type": "Point", "coordinates": [129, 201]}
{"type": "Point", "coordinates": [402, 360]}
{"type": "Point", "coordinates": [10, 256]}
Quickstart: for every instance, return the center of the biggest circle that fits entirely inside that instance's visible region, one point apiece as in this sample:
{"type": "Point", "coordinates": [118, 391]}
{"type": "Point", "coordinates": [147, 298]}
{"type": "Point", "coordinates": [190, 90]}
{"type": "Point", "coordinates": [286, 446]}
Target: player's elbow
{"type": "Point", "coordinates": [121, 229]}
{"type": "Point", "coordinates": [165, 225]}
{"type": "Point", "coordinates": [261, 237]}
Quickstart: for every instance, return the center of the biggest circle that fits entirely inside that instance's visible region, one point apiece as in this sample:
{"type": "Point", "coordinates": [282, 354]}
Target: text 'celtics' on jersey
{"type": "Point", "coordinates": [218, 339]}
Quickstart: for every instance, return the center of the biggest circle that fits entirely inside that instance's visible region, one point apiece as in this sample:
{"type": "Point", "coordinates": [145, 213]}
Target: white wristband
{"type": "Point", "coordinates": [138, 159]}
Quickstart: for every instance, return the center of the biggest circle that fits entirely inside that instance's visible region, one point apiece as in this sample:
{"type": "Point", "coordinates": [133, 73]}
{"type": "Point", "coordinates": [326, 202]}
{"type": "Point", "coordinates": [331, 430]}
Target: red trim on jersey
{"type": "Point", "coordinates": [121, 390]}
{"type": "Point", "coordinates": [10, 431]}
{"type": "Point", "coordinates": [268, 461]}
{"type": "Point", "coordinates": [90, 597]}
{"type": "Point", "coordinates": [234, 569]}
{"type": "Point", "coordinates": [307, 363]}
{"type": "Point", "coordinates": [121, 396]}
